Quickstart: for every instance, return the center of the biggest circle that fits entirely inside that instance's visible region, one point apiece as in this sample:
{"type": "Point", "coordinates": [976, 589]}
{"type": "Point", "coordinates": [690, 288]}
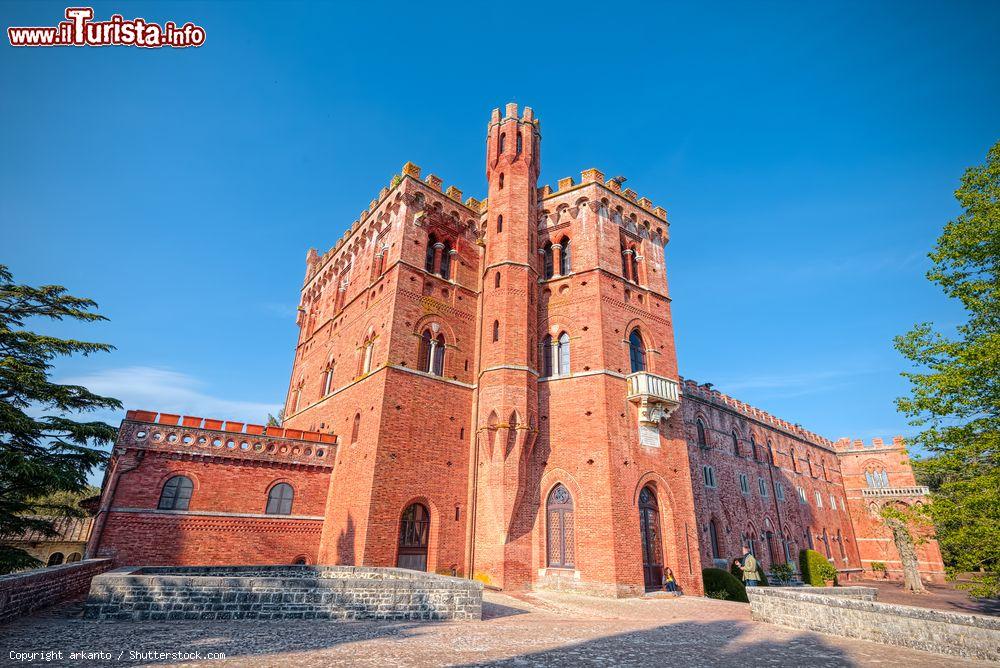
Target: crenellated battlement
{"type": "Point", "coordinates": [858, 445]}
{"type": "Point", "coordinates": [591, 176]}
{"type": "Point", "coordinates": [706, 392]}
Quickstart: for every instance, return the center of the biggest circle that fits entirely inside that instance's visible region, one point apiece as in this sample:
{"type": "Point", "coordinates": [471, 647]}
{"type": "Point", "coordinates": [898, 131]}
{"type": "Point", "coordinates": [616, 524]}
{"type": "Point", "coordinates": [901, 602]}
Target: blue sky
{"type": "Point", "coordinates": [806, 154]}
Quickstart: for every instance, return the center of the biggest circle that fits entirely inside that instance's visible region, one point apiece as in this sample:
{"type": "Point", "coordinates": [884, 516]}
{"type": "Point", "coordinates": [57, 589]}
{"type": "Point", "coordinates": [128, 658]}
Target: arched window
{"type": "Point", "coordinates": [753, 447]}
{"type": "Point", "coordinates": [634, 259]}
{"type": "Point", "coordinates": [559, 523]}
{"type": "Point", "coordinates": [700, 426]}
{"type": "Point", "coordinates": [499, 224]}
{"type": "Point", "coordinates": [501, 181]}
{"type": "Point", "coordinates": [562, 356]}
{"type": "Point", "coordinates": [769, 455]}
{"type": "Point", "coordinates": [73, 558]}
{"type": "Point", "coordinates": [713, 534]}
{"type": "Point", "coordinates": [328, 378]}
{"type": "Point", "coordinates": [429, 254]}
{"type": "Point", "coordinates": [547, 268]}
{"type": "Point", "coordinates": [736, 444]}
{"type": "Point", "coordinates": [437, 368]}
{"type": "Point", "coordinates": [503, 141]}
{"type": "Point", "coordinates": [424, 356]}
{"type": "Point", "coordinates": [564, 257]}
{"type": "Point", "coordinates": [366, 355]}
{"type": "Point", "coordinates": [279, 499]}
{"type": "Point", "coordinates": [546, 355]}
{"type": "Point", "coordinates": [520, 143]}
{"type": "Point", "coordinates": [355, 428]}
{"type": "Point", "coordinates": [446, 261]}
{"type": "Point", "coordinates": [496, 331]}
{"type": "Point", "coordinates": [496, 280]}
{"type": "Point", "coordinates": [55, 559]}
{"type": "Point", "coordinates": [176, 493]}
{"type": "Point", "coordinates": [636, 351]}
{"type": "Point", "coordinates": [414, 531]}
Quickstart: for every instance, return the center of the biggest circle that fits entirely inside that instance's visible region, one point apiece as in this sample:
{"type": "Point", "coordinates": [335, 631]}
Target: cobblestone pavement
{"type": "Point", "coordinates": [539, 629]}
{"type": "Point", "coordinates": [938, 597]}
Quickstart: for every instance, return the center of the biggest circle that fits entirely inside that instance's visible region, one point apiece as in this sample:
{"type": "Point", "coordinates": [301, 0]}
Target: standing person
{"type": "Point", "coordinates": [751, 574]}
{"type": "Point", "coordinates": [669, 582]}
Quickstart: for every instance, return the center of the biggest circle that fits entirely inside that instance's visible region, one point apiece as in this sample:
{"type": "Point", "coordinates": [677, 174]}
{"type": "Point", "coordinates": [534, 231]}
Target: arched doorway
{"type": "Point", "coordinates": [414, 530]}
{"type": "Point", "coordinates": [652, 545]}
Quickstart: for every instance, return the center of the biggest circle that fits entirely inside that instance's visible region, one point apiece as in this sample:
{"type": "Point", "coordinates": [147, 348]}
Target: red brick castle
{"type": "Point", "coordinates": [490, 389]}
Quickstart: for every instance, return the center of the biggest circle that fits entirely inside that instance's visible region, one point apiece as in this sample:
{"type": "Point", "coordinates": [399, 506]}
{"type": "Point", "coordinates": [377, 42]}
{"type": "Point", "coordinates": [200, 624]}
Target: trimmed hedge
{"type": "Point", "coordinates": [816, 569]}
{"type": "Point", "coordinates": [716, 580]}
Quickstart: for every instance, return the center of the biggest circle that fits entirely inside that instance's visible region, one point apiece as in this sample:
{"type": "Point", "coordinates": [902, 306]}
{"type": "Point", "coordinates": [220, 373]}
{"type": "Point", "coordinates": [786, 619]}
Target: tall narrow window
{"type": "Point", "coordinates": [546, 354]}
{"type": "Point", "coordinates": [438, 367]}
{"type": "Point", "coordinates": [547, 268]}
{"type": "Point", "coordinates": [700, 426]}
{"type": "Point", "coordinates": [520, 143]}
{"type": "Point", "coordinates": [564, 257]}
{"type": "Point", "coordinates": [713, 534]}
{"type": "Point", "coordinates": [328, 378]}
{"type": "Point", "coordinates": [499, 224]}
{"type": "Point", "coordinates": [176, 493]}
{"type": "Point", "coordinates": [429, 254]}
{"type": "Point", "coordinates": [356, 427]}
{"type": "Point", "coordinates": [366, 355]}
{"type": "Point", "coordinates": [563, 355]}
{"type": "Point", "coordinates": [424, 354]}
{"type": "Point", "coordinates": [279, 499]}
{"type": "Point", "coordinates": [636, 351]}
{"type": "Point", "coordinates": [560, 530]}
{"type": "Point", "coordinates": [446, 261]}
{"type": "Point", "coordinates": [753, 447]}
{"type": "Point", "coordinates": [503, 141]}
{"type": "Point", "coordinates": [496, 331]}
{"type": "Point", "coordinates": [634, 259]}
{"type": "Point", "coordinates": [501, 181]}
{"type": "Point", "coordinates": [736, 444]}
{"type": "Point", "coordinates": [496, 280]}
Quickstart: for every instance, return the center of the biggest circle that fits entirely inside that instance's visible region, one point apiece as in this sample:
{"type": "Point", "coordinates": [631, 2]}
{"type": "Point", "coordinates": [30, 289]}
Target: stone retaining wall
{"type": "Point", "coordinates": [953, 633]}
{"type": "Point", "coordinates": [24, 593]}
{"type": "Point", "coordinates": [281, 592]}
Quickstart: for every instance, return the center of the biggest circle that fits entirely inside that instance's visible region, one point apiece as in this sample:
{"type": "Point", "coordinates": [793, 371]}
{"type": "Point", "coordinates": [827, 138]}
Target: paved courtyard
{"type": "Point", "coordinates": [541, 629]}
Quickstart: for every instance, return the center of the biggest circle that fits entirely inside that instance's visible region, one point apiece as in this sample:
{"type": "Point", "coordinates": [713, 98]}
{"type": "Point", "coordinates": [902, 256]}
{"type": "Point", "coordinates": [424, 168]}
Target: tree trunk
{"type": "Point", "coordinates": [907, 555]}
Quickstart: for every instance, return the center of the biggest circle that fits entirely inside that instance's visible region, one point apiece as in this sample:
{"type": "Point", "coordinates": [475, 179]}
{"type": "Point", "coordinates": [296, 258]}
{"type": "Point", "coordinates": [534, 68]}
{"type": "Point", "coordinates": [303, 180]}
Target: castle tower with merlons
{"type": "Point", "coordinates": [490, 389]}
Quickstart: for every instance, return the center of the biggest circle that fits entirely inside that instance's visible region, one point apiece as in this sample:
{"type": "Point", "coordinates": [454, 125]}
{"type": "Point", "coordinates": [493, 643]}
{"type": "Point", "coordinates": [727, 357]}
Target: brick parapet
{"type": "Point", "coordinates": [24, 593]}
{"type": "Point", "coordinates": [168, 432]}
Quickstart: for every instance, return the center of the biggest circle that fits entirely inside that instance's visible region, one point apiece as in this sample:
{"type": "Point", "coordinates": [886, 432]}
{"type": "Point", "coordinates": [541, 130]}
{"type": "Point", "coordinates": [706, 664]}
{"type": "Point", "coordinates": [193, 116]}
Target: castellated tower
{"type": "Point", "coordinates": [507, 395]}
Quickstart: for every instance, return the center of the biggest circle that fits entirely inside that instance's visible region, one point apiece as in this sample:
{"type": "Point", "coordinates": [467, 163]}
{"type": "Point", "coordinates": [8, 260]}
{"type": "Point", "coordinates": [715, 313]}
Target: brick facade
{"type": "Point", "coordinates": [496, 385]}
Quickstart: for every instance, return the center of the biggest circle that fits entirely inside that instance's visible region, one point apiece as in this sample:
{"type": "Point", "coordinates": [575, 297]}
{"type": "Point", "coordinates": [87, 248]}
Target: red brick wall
{"type": "Point", "coordinates": [24, 593]}
{"type": "Point", "coordinates": [874, 538]}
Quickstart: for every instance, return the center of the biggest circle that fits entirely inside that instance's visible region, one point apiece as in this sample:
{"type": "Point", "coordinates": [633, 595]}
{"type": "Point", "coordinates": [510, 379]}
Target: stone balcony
{"type": "Point", "coordinates": [657, 397]}
{"type": "Point", "coordinates": [874, 492]}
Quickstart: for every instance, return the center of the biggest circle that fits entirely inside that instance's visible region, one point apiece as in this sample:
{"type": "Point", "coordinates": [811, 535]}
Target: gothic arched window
{"type": "Point", "coordinates": [702, 439]}
{"type": "Point", "coordinates": [562, 356]}
{"type": "Point", "coordinates": [736, 444]}
{"type": "Point", "coordinates": [547, 269]}
{"type": "Point", "coordinates": [356, 427]}
{"type": "Point", "coordinates": [496, 331]}
{"type": "Point", "coordinates": [559, 523]}
{"type": "Point", "coordinates": [437, 366]}
{"type": "Point", "coordinates": [546, 356]}
{"type": "Point", "coordinates": [520, 143]}
{"type": "Point", "coordinates": [279, 499]}
{"type": "Point", "coordinates": [636, 351]}
{"type": "Point", "coordinates": [328, 378]}
{"type": "Point", "coordinates": [446, 261]}
{"type": "Point", "coordinates": [429, 254]}
{"type": "Point", "coordinates": [424, 356]}
{"type": "Point", "coordinates": [564, 257]}
{"type": "Point", "coordinates": [713, 534]}
{"type": "Point", "coordinates": [753, 448]}
{"type": "Point", "coordinates": [499, 224]}
{"type": "Point", "coordinates": [503, 141]}
{"type": "Point", "coordinates": [176, 494]}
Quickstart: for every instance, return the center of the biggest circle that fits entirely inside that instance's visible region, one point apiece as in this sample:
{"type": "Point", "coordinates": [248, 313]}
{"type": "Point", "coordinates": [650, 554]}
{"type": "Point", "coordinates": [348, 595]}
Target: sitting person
{"type": "Point", "coordinates": [669, 582]}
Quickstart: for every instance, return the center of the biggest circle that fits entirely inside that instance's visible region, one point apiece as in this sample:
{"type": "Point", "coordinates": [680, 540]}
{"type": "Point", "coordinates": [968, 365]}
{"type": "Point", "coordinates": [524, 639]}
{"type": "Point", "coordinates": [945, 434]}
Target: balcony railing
{"type": "Point", "coordinates": [655, 388]}
{"type": "Point", "coordinates": [658, 397]}
{"type": "Point", "coordinates": [894, 491]}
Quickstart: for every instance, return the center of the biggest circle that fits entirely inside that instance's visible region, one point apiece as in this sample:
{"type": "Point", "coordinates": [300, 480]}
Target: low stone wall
{"type": "Point", "coordinates": [281, 592]}
{"type": "Point", "coordinates": [953, 633]}
{"type": "Point", "coordinates": [854, 592]}
{"type": "Point", "coordinates": [24, 593]}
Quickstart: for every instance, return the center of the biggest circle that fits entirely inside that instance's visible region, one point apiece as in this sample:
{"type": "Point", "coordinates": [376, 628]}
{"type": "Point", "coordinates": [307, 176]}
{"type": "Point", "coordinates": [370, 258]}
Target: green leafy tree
{"type": "Point", "coordinates": [955, 389]}
{"type": "Point", "coordinates": [275, 420]}
{"type": "Point", "coordinates": [44, 451]}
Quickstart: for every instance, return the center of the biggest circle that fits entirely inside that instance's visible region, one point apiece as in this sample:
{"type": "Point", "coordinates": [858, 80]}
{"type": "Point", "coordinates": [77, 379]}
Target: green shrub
{"type": "Point", "coordinates": [717, 580]}
{"type": "Point", "coordinates": [782, 572]}
{"type": "Point", "coordinates": [816, 568]}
